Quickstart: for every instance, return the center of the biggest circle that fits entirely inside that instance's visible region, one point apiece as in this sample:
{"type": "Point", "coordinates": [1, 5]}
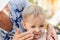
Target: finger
{"type": "Point", "coordinates": [30, 38]}
{"type": "Point", "coordinates": [48, 37]}
{"type": "Point", "coordinates": [54, 36]}
{"type": "Point", "coordinates": [26, 36]}
{"type": "Point", "coordinates": [23, 34]}
{"type": "Point", "coordinates": [18, 31]}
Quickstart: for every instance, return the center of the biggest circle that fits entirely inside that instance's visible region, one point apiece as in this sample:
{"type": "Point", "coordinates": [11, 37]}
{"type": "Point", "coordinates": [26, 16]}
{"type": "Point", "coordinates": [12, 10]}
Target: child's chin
{"type": "Point", "coordinates": [38, 36]}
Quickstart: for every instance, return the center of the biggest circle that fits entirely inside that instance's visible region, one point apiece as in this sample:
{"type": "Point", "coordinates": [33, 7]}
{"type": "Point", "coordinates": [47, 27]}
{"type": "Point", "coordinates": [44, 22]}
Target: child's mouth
{"type": "Point", "coordinates": [36, 36]}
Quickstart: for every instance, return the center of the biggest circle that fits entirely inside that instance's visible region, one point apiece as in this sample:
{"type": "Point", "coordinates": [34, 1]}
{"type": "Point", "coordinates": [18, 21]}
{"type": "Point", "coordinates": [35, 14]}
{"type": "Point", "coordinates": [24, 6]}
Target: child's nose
{"type": "Point", "coordinates": [37, 29]}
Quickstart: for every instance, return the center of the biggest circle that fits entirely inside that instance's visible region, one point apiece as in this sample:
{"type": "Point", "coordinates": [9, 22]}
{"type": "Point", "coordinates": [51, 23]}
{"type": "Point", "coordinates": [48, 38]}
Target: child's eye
{"type": "Point", "coordinates": [32, 26]}
{"type": "Point", "coordinates": [41, 25]}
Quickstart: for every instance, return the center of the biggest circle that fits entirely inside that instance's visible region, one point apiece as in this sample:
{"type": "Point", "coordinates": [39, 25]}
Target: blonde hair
{"type": "Point", "coordinates": [32, 10]}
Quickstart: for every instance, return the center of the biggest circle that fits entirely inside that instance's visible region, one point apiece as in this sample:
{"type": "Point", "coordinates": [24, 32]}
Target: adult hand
{"type": "Point", "coordinates": [51, 33]}
{"type": "Point", "coordinates": [23, 36]}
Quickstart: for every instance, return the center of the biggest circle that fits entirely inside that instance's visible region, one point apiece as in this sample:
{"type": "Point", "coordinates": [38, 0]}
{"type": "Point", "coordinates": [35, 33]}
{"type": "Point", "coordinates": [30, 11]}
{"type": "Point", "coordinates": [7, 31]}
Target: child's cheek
{"type": "Point", "coordinates": [30, 30]}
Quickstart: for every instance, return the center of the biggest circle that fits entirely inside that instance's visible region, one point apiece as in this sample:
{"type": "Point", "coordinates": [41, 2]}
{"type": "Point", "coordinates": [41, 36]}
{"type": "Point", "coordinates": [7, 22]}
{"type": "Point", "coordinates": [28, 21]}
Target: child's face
{"type": "Point", "coordinates": [35, 25]}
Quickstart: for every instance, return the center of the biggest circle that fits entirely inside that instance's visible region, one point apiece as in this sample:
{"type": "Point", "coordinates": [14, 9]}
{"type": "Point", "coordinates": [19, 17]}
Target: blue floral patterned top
{"type": "Point", "coordinates": [17, 6]}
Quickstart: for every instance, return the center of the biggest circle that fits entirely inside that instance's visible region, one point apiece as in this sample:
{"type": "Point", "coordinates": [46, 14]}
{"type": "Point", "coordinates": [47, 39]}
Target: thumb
{"type": "Point", "coordinates": [18, 31]}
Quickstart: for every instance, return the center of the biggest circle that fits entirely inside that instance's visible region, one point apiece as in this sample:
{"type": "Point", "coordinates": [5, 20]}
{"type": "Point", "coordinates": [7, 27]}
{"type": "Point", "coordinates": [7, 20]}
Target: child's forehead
{"type": "Point", "coordinates": [36, 20]}
{"type": "Point", "coordinates": [38, 17]}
